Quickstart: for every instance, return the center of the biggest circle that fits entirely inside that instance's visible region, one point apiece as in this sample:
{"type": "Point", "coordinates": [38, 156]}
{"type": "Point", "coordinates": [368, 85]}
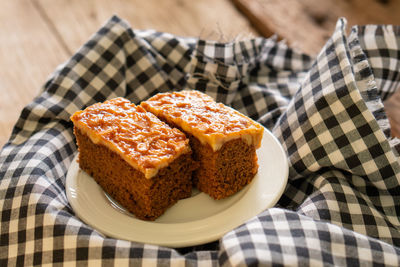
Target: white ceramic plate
{"type": "Point", "coordinates": [192, 221]}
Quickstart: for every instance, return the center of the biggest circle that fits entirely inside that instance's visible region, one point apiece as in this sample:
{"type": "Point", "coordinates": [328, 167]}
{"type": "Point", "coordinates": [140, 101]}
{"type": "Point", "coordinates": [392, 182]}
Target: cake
{"type": "Point", "coordinates": [138, 160]}
{"type": "Point", "coordinates": [223, 141]}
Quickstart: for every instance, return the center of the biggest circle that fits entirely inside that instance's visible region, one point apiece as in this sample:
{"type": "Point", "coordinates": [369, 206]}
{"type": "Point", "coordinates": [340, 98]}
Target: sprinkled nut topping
{"type": "Point", "coordinates": [138, 136]}
{"type": "Point", "coordinates": [210, 122]}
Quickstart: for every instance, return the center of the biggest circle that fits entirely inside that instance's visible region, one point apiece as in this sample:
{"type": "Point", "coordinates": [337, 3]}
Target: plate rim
{"type": "Point", "coordinates": [210, 222]}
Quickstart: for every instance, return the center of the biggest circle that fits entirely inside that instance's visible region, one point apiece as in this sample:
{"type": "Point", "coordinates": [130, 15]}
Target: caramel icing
{"type": "Point", "coordinates": [210, 122]}
{"type": "Point", "coordinates": [138, 136]}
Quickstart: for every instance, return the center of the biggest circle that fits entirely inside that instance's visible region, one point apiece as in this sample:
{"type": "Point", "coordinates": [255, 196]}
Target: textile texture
{"type": "Point", "coordinates": [342, 202]}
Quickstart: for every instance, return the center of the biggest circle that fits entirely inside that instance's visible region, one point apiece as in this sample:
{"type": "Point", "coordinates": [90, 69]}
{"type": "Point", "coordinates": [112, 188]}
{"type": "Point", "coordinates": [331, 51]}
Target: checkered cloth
{"type": "Point", "coordinates": [342, 202]}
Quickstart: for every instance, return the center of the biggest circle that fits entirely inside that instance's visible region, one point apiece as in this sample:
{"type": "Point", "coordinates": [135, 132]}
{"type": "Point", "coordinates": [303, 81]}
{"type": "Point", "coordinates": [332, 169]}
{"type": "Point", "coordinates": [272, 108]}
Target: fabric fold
{"type": "Point", "coordinates": [341, 205]}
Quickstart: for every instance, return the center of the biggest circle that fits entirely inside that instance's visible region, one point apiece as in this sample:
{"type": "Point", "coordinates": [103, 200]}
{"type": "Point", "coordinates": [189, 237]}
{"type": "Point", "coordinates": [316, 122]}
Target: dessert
{"type": "Point", "coordinates": [223, 141]}
{"type": "Point", "coordinates": [140, 161]}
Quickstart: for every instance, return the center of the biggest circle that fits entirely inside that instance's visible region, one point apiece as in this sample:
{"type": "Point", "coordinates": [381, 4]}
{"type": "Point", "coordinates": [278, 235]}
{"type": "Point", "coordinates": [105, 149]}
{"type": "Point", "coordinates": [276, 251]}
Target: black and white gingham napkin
{"type": "Point", "coordinates": [342, 202]}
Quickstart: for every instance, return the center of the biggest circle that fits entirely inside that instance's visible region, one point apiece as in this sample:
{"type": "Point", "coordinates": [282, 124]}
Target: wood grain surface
{"type": "Point", "coordinates": [307, 24]}
{"type": "Point", "coordinates": [29, 52]}
{"type": "Point", "coordinates": [38, 35]}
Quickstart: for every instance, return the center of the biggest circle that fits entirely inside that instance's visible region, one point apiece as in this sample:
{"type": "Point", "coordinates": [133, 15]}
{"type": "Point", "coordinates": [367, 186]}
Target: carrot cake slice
{"type": "Point", "coordinates": [140, 161]}
{"type": "Point", "coordinates": [223, 140]}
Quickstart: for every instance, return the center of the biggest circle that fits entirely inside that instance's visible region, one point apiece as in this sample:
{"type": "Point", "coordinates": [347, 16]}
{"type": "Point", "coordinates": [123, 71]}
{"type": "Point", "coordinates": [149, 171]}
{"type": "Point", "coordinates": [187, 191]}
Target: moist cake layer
{"type": "Point", "coordinates": [136, 135]}
{"type": "Point", "coordinates": [223, 141]}
{"type": "Point", "coordinates": [210, 122]}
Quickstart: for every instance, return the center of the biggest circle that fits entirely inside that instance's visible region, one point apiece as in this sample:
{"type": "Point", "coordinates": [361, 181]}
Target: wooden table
{"type": "Point", "coordinates": [38, 35]}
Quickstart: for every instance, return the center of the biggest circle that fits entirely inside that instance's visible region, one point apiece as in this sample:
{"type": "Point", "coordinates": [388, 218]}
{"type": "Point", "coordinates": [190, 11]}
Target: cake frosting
{"type": "Point", "coordinates": [210, 122]}
{"type": "Point", "coordinates": [138, 136]}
